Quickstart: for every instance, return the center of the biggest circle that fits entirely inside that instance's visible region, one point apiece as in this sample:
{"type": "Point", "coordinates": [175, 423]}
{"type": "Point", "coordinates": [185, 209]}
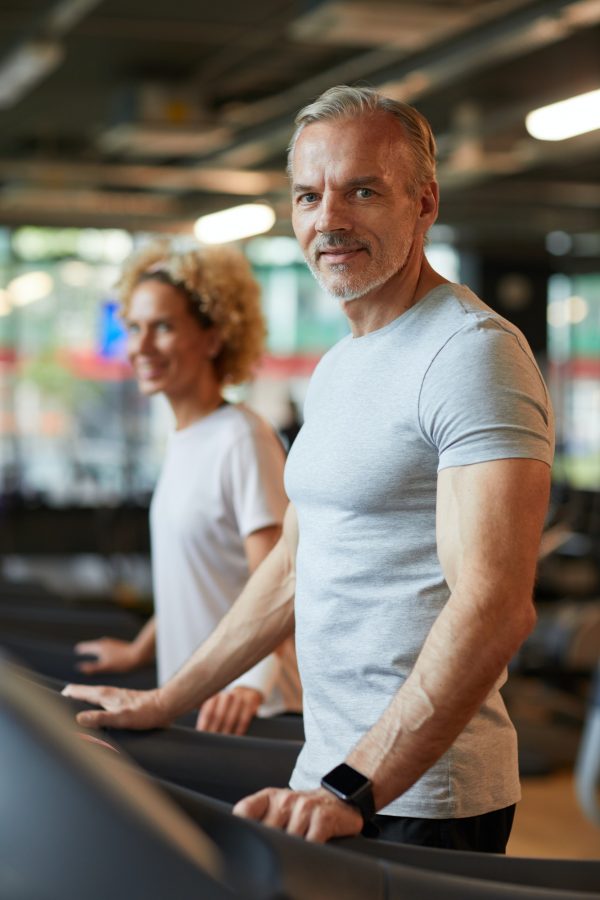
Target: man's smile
{"type": "Point", "coordinates": [339, 255]}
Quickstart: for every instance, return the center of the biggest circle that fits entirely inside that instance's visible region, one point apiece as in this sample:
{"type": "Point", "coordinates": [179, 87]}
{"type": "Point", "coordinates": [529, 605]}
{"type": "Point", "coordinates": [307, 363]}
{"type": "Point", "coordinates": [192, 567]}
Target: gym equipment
{"type": "Point", "coordinates": [217, 765]}
{"type": "Point", "coordinates": [77, 821]}
{"type": "Point", "coordinates": [58, 660]}
{"type": "Point", "coordinates": [587, 768]}
{"type": "Point", "coordinates": [75, 624]}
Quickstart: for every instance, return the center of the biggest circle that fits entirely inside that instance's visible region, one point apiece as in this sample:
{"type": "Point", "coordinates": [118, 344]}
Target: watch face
{"type": "Point", "coordinates": [346, 780]}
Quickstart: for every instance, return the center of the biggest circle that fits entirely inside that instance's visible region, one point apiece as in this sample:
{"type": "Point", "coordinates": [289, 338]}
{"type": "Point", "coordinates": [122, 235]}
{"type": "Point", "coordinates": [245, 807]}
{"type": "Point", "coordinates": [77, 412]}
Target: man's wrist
{"type": "Point", "coordinates": [165, 701]}
{"type": "Point", "coordinates": [353, 788]}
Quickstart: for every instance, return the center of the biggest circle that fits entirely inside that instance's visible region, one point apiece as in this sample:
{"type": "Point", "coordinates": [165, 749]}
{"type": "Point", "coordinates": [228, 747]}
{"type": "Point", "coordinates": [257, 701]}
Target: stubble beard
{"type": "Point", "coordinates": [346, 285]}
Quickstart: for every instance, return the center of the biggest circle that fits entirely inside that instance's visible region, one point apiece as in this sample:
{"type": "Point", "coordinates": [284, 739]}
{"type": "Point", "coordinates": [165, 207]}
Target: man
{"type": "Point", "coordinates": [419, 485]}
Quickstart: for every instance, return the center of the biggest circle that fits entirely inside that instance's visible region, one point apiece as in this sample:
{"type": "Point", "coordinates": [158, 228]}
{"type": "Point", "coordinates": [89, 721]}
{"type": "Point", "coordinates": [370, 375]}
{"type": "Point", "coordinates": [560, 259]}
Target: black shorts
{"type": "Point", "coordinates": [487, 833]}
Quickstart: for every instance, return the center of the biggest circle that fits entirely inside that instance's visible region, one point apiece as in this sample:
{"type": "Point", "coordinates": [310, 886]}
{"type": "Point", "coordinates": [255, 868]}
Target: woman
{"type": "Point", "coordinates": [194, 324]}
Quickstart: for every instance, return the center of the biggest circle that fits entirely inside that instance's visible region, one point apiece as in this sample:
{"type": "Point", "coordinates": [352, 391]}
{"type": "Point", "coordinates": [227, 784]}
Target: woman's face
{"type": "Point", "coordinates": [169, 351]}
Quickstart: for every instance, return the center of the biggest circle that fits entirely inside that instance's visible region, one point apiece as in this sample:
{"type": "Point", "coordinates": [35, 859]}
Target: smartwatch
{"type": "Point", "coordinates": [352, 788]}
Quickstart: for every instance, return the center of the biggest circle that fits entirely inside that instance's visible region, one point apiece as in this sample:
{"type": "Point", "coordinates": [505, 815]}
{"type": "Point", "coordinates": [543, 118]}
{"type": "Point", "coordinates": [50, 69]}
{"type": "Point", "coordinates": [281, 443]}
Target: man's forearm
{"type": "Point", "coordinates": [261, 618]}
{"type": "Point", "coordinates": [461, 660]}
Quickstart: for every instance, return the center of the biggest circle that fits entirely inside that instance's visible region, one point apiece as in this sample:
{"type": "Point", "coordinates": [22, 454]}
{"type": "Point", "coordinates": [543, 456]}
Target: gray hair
{"type": "Point", "coordinates": [344, 102]}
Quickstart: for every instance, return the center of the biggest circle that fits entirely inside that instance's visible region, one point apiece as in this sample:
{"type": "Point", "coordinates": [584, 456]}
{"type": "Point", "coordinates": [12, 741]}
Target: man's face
{"type": "Point", "coordinates": [352, 214]}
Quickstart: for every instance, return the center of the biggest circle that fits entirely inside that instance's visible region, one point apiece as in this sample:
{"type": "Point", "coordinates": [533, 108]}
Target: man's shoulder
{"type": "Point", "coordinates": [454, 310]}
{"type": "Point", "coordinates": [453, 306]}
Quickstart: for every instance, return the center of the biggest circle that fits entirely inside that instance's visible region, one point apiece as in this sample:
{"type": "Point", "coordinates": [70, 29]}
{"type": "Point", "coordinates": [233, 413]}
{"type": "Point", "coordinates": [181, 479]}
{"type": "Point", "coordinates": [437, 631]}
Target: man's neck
{"type": "Point", "coordinates": [381, 306]}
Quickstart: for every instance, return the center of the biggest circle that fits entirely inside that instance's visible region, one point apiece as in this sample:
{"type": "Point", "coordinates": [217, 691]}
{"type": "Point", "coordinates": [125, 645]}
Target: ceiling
{"type": "Point", "coordinates": [152, 113]}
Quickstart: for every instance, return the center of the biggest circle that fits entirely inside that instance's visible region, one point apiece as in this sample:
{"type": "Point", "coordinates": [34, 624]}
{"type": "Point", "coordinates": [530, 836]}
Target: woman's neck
{"type": "Point", "coordinates": [192, 408]}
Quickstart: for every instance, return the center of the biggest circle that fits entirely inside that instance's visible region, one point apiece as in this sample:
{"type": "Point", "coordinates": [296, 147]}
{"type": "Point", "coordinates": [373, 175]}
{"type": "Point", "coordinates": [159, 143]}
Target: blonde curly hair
{"type": "Point", "coordinates": [221, 290]}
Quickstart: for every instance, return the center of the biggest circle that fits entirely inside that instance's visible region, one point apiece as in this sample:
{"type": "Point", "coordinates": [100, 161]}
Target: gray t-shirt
{"type": "Point", "coordinates": [448, 383]}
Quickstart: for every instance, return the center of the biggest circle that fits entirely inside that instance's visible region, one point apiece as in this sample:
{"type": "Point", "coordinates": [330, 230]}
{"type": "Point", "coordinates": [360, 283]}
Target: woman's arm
{"type": "Point", "coordinates": [261, 618]}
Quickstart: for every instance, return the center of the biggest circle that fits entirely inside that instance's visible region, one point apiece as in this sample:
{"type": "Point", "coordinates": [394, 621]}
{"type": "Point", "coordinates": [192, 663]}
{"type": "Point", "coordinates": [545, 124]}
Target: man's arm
{"type": "Point", "coordinates": [489, 523]}
{"type": "Point", "coordinates": [261, 618]}
{"type": "Point", "coordinates": [114, 655]}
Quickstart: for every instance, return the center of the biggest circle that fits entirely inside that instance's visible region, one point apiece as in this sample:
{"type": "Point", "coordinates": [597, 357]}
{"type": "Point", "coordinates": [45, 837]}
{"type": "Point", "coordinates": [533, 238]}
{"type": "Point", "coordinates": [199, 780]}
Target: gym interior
{"type": "Point", "coordinates": [125, 121]}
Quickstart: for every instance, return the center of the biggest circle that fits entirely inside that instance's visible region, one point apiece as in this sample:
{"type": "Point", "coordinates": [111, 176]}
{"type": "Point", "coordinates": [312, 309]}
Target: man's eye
{"type": "Point", "coordinates": [364, 193]}
{"type": "Point", "coordinates": [131, 328]}
{"type": "Point", "coordinates": [308, 198]}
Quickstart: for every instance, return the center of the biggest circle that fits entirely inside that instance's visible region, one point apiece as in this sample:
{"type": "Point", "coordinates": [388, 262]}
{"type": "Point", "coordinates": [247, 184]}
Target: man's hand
{"type": "Point", "coordinates": [316, 816]}
{"type": "Point", "coordinates": [112, 656]}
{"type": "Point", "coordinates": [229, 711]}
{"type": "Point", "coordinates": [121, 708]}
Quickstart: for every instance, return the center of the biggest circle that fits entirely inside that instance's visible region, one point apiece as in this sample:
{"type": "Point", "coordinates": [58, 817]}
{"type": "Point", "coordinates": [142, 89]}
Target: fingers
{"type": "Point", "coordinates": [112, 655]}
{"type": "Point", "coordinates": [88, 692]}
{"type": "Point", "coordinates": [97, 695]}
{"type": "Point", "coordinates": [122, 708]}
{"type": "Point", "coordinates": [245, 715]}
{"type": "Point", "coordinates": [207, 715]}
{"type": "Point", "coordinates": [255, 806]}
{"type": "Point", "coordinates": [123, 718]}
{"type": "Point", "coordinates": [308, 814]}
{"type": "Point", "coordinates": [88, 647]}
{"type": "Point", "coordinates": [251, 700]}
{"type": "Point", "coordinates": [271, 806]}
{"type": "Point", "coordinates": [300, 819]}
{"type": "Point", "coordinates": [90, 668]}
{"type": "Point", "coordinates": [98, 718]}
{"type": "Point", "coordinates": [242, 704]}
{"type": "Point", "coordinates": [233, 711]}
{"type": "Point", "coordinates": [229, 712]}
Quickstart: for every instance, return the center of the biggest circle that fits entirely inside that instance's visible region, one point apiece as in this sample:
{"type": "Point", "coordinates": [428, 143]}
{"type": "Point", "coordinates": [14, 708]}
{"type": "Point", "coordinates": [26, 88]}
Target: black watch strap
{"type": "Point", "coordinates": [353, 788]}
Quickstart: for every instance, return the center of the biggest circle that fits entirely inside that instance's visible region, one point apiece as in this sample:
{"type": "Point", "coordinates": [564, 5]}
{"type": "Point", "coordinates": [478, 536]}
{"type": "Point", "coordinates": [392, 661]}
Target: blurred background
{"type": "Point", "coordinates": [122, 120]}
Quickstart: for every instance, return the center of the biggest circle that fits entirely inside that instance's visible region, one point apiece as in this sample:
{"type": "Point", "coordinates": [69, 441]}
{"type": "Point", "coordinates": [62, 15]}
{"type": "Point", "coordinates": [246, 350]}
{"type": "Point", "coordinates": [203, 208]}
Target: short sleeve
{"type": "Point", "coordinates": [253, 482]}
{"type": "Point", "coordinates": [483, 398]}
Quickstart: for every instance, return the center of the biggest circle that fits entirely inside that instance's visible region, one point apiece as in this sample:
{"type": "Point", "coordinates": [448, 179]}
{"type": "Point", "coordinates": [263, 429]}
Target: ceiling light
{"type": "Point", "coordinates": [25, 289]}
{"type": "Point", "coordinates": [274, 251]}
{"type": "Point", "coordinates": [558, 243]}
{"type": "Point", "coordinates": [75, 273]}
{"type": "Point", "coordinates": [565, 119]}
{"type": "Point", "coordinates": [235, 223]}
{"type": "Point", "coordinates": [22, 69]}
{"type": "Point", "coordinates": [577, 310]}
{"type": "Point", "coordinates": [569, 311]}
{"type": "Point", "coordinates": [5, 304]}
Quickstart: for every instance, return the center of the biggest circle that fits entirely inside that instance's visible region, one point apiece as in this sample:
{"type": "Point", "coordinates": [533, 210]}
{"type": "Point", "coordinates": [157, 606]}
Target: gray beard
{"type": "Point", "coordinates": [346, 291]}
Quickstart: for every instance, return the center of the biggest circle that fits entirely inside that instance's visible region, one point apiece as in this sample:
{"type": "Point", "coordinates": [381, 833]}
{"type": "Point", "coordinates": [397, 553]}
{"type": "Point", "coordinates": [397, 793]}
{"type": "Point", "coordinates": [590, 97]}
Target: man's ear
{"type": "Point", "coordinates": [429, 204]}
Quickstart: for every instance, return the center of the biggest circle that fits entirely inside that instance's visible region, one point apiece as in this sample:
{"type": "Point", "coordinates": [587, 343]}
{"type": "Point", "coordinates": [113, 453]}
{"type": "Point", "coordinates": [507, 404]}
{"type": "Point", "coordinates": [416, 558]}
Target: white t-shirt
{"type": "Point", "coordinates": [221, 480]}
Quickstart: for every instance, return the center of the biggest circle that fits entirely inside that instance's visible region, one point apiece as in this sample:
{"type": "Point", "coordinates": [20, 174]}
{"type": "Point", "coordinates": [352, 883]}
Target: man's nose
{"type": "Point", "coordinates": [333, 214]}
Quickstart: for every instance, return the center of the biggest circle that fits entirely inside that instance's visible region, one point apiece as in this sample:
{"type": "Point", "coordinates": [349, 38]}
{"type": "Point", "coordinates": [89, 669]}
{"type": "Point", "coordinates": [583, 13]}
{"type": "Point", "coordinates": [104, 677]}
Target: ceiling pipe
{"type": "Point", "coordinates": [162, 178]}
{"type": "Point", "coordinates": [40, 52]}
{"type": "Point", "coordinates": [443, 62]}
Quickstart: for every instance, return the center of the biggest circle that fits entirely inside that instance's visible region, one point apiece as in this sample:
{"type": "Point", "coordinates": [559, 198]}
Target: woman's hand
{"type": "Point", "coordinates": [112, 655]}
{"type": "Point", "coordinates": [230, 711]}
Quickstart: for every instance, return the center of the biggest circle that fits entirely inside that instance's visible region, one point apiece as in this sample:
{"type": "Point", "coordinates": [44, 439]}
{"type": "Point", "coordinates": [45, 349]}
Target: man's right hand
{"type": "Point", "coordinates": [112, 656]}
{"type": "Point", "coordinates": [121, 708]}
